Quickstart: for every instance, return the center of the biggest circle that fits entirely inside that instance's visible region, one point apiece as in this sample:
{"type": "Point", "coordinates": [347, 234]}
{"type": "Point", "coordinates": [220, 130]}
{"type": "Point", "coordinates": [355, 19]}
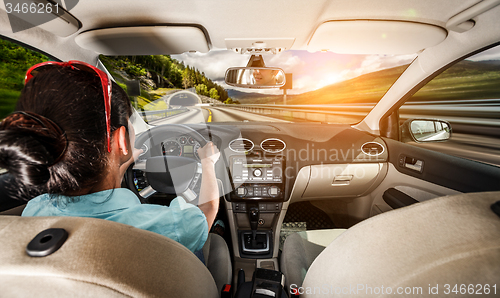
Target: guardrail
{"type": "Point", "coordinates": [469, 112]}
{"type": "Point", "coordinates": [149, 116]}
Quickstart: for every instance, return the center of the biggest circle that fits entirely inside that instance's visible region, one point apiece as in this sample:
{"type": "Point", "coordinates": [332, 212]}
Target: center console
{"type": "Point", "coordinates": [257, 199]}
{"type": "Point", "coordinates": [257, 177]}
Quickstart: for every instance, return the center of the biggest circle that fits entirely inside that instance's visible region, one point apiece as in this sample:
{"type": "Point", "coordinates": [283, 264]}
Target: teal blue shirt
{"type": "Point", "coordinates": [182, 222]}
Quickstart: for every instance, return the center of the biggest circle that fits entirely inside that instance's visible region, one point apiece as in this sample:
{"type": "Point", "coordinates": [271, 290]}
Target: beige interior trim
{"type": "Point", "coordinates": [463, 21]}
{"type": "Point", "coordinates": [420, 190]}
{"type": "Point", "coordinates": [330, 181]}
{"type": "Point", "coordinates": [144, 40]}
{"type": "Point", "coordinates": [63, 23]}
{"type": "Point", "coordinates": [100, 254]}
{"type": "Point", "coordinates": [14, 211]}
{"type": "Point", "coordinates": [375, 37]}
{"type": "Point", "coordinates": [277, 228]}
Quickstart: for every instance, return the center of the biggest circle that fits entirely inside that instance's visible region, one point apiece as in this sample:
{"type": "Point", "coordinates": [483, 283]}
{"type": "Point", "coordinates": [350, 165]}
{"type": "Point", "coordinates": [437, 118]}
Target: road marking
{"type": "Point", "coordinates": [209, 115]}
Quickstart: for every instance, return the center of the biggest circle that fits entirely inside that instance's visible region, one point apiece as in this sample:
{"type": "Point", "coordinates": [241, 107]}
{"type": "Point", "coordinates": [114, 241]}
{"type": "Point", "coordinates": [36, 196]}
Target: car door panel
{"type": "Point", "coordinates": [456, 173]}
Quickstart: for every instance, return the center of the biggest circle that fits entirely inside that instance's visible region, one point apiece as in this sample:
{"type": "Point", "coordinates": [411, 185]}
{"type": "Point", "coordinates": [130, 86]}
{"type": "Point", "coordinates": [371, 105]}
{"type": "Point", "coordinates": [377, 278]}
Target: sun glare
{"type": "Point", "coordinates": [329, 79]}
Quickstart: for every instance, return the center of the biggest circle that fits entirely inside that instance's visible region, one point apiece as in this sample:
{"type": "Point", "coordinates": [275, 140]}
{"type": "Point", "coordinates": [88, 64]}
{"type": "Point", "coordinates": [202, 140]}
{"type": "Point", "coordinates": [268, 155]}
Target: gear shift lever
{"type": "Point", "coordinates": [253, 214]}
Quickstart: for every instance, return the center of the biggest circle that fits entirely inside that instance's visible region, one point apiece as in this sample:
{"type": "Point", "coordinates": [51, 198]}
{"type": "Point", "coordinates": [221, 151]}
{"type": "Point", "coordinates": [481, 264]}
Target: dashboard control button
{"type": "Point", "coordinates": [257, 173]}
{"type": "Point", "coordinates": [273, 191]}
{"type": "Point", "coordinates": [242, 191]}
{"type": "Point", "coordinates": [262, 207]}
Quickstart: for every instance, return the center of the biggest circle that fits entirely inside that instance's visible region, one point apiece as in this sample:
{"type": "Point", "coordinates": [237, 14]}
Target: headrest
{"type": "Point", "coordinates": [100, 258]}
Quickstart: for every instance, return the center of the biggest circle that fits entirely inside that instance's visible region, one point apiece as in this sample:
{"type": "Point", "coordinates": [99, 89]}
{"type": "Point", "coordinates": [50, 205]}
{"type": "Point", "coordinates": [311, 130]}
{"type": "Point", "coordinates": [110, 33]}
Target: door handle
{"type": "Point", "coordinates": [411, 163]}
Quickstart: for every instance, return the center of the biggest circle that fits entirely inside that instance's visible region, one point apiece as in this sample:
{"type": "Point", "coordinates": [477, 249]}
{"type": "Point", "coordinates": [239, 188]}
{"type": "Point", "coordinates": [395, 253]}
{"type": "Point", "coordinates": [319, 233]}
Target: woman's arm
{"type": "Point", "coordinates": [209, 192]}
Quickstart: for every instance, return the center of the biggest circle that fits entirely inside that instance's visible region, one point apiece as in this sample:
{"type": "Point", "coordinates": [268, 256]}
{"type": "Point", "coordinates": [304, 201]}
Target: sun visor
{"type": "Point", "coordinates": [375, 37]}
{"type": "Point", "coordinates": [144, 40]}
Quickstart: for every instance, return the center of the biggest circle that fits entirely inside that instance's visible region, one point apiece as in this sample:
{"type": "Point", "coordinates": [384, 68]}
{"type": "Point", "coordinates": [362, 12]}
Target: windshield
{"type": "Point", "coordinates": [190, 88]}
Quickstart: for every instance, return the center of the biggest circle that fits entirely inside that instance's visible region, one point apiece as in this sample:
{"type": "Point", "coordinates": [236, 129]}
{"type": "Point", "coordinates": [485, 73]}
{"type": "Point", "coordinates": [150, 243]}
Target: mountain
{"type": "Point", "coordinates": [253, 97]}
{"type": "Point", "coordinates": [465, 80]}
{"type": "Point", "coordinates": [365, 88]}
{"type": "Point", "coordinates": [368, 88]}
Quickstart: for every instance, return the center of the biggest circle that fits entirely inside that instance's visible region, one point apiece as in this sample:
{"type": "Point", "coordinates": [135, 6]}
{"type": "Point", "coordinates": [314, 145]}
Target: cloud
{"type": "Point", "coordinates": [287, 61]}
{"type": "Point", "coordinates": [214, 63]}
{"type": "Point", "coordinates": [490, 54]}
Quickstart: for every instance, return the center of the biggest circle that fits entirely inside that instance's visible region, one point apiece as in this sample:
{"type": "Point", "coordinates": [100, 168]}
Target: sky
{"type": "Point", "coordinates": [310, 71]}
{"type": "Point", "coordinates": [490, 54]}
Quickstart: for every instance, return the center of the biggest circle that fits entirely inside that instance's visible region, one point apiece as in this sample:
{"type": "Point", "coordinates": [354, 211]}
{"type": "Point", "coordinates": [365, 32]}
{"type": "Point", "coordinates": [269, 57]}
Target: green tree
{"type": "Point", "coordinates": [187, 78]}
{"type": "Point", "coordinates": [202, 89]}
{"type": "Point", "coordinates": [176, 76]}
{"type": "Point", "coordinates": [214, 94]}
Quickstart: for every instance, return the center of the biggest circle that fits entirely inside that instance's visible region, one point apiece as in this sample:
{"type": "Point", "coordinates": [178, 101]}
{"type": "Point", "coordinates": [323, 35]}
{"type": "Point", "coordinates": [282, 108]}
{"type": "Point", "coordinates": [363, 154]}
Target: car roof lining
{"type": "Point", "coordinates": [271, 19]}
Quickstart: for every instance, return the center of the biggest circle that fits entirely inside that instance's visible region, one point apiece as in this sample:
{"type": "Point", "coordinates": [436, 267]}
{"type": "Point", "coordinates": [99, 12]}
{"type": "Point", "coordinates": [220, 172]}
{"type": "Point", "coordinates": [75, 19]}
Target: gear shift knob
{"type": "Point", "coordinates": [253, 214]}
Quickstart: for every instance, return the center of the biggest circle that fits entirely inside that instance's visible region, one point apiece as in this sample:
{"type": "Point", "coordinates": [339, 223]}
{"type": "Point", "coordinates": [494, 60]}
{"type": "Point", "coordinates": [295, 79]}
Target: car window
{"type": "Point", "coordinates": [467, 95]}
{"type": "Point", "coordinates": [14, 62]}
{"type": "Point", "coordinates": [339, 88]}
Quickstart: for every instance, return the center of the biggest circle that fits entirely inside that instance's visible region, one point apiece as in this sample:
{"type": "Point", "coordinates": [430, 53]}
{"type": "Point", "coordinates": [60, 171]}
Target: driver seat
{"type": "Point", "coordinates": [100, 258]}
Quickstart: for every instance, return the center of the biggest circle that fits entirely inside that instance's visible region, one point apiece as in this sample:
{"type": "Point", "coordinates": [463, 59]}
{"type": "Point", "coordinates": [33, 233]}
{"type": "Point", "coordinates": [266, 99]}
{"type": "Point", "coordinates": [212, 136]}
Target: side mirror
{"type": "Point", "coordinates": [425, 130]}
{"type": "Point", "coordinates": [255, 77]}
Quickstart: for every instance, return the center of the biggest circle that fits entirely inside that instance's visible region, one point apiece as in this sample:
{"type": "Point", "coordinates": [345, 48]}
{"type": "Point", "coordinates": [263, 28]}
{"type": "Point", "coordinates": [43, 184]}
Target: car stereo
{"type": "Point", "coordinates": [255, 177]}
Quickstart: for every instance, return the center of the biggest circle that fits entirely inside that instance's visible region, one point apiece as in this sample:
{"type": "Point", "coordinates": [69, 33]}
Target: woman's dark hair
{"type": "Point", "coordinates": [74, 101]}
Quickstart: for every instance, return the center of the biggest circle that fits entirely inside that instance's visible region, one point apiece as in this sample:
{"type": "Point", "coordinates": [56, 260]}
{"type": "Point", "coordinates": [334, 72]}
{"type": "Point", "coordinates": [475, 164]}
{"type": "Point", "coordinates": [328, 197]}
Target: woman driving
{"type": "Point", "coordinates": [69, 145]}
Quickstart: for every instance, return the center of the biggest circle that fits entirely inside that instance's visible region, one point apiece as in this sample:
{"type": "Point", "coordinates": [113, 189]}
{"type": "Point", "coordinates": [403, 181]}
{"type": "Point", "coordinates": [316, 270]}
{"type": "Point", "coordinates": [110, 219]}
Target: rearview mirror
{"type": "Point", "coordinates": [425, 130]}
{"type": "Point", "coordinates": [255, 77]}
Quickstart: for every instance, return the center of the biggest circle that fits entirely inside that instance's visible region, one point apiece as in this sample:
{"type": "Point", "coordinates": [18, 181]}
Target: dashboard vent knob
{"type": "Point", "coordinates": [241, 145]}
{"type": "Point", "coordinates": [372, 148]}
{"type": "Point", "coordinates": [273, 145]}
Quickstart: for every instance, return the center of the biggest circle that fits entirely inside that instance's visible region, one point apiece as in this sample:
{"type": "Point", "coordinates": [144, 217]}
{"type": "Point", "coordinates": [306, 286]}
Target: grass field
{"type": "Point", "coordinates": [465, 80]}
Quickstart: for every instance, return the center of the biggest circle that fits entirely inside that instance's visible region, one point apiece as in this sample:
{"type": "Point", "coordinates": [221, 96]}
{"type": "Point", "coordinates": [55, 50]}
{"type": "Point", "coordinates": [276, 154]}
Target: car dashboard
{"type": "Point", "coordinates": [262, 161]}
{"type": "Point", "coordinates": [265, 167]}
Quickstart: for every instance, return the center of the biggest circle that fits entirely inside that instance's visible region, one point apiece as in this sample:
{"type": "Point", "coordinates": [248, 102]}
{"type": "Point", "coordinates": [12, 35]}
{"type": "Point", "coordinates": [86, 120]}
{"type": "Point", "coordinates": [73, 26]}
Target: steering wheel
{"type": "Point", "coordinates": [175, 175]}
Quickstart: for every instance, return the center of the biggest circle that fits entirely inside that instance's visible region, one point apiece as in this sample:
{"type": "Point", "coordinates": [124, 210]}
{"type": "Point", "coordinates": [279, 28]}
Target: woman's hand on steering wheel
{"type": "Point", "coordinates": [209, 153]}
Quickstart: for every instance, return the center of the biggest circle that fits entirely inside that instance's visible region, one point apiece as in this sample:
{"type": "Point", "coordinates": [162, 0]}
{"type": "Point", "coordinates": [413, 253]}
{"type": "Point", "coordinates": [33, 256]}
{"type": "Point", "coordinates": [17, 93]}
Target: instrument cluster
{"type": "Point", "coordinates": [184, 145]}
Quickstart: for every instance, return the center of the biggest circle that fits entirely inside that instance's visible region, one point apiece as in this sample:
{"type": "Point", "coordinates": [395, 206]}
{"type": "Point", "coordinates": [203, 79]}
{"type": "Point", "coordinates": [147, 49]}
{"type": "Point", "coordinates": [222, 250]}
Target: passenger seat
{"type": "Point", "coordinates": [450, 240]}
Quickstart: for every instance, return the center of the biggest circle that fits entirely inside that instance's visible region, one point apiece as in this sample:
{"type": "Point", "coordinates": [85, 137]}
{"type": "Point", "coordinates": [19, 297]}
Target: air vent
{"type": "Point", "coordinates": [241, 145]}
{"type": "Point", "coordinates": [372, 148]}
{"type": "Point", "coordinates": [273, 145]}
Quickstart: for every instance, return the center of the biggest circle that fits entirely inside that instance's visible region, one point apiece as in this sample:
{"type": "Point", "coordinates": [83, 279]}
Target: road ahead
{"type": "Point", "coordinates": [473, 146]}
{"type": "Point", "coordinates": [206, 115]}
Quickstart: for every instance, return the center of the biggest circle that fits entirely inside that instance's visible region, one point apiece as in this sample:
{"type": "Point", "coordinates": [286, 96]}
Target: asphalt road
{"type": "Point", "coordinates": [468, 145]}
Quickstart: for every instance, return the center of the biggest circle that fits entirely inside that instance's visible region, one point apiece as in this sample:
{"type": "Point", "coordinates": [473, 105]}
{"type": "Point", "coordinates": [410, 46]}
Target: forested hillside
{"type": "Point", "coordinates": [14, 62]}
{"type": "Point", "coordinates": [153, 72]}
{"type": "Point", "coordinates": [162, 71]}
